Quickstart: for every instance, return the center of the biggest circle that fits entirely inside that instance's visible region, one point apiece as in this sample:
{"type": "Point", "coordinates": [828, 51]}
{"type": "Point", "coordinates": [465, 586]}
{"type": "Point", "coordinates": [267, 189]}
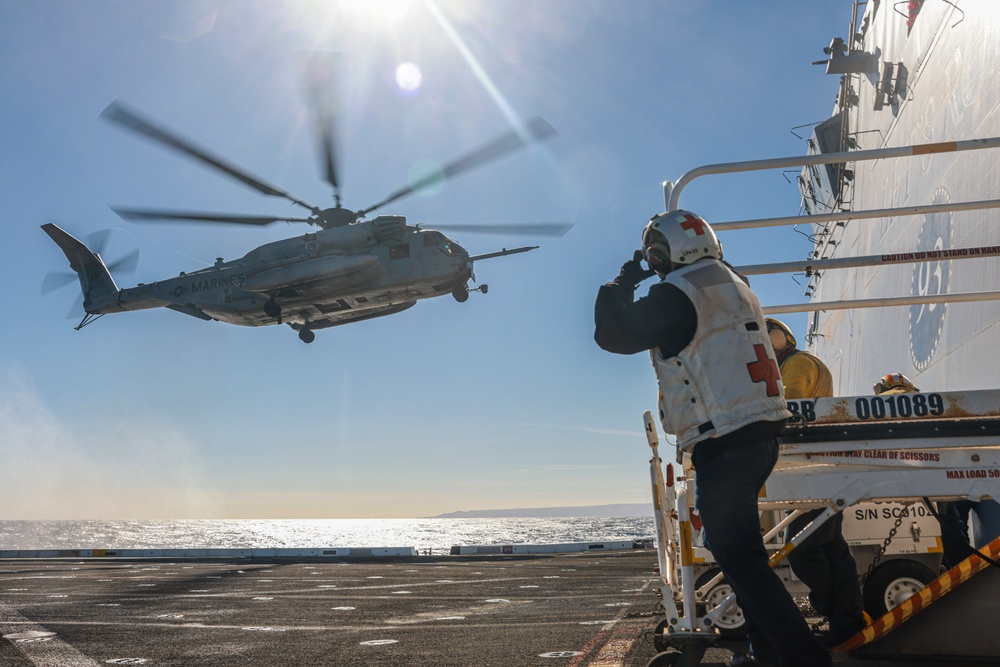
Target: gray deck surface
{"type": "Point", "coordinates": [552, 611]}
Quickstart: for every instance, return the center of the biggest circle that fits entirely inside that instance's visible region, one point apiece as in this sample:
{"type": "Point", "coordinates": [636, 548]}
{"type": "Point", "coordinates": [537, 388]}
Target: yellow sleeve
{"type": "Point", "coordinates": [805, 376]}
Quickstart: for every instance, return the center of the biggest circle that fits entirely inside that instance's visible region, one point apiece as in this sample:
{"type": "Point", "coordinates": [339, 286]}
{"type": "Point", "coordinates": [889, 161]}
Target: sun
{"type": "Point", "coordinates": [387, 10]}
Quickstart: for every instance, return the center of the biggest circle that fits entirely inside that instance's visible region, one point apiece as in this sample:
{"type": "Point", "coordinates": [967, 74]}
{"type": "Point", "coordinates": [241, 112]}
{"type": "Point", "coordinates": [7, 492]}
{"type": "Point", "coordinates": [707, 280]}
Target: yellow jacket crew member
{"type": "Point", "coordinates": [823, 561]}
{"type": "Point", "coordinates": [802, 373]}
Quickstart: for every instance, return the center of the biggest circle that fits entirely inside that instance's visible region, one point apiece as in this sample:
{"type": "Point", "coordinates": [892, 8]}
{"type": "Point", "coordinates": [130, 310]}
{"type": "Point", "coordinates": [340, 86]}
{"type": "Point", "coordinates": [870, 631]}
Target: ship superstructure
{"type": "Point", "coordinates": [910, 73]}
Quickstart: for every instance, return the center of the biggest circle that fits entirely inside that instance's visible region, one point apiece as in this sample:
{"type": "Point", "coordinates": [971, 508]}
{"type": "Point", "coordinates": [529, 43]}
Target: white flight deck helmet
{"type": "Point", "coordinates": [678, 238]}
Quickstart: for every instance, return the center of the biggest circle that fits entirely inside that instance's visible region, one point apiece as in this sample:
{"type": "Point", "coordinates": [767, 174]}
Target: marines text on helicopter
{"type": "Point", "coordinates": [351, 269]}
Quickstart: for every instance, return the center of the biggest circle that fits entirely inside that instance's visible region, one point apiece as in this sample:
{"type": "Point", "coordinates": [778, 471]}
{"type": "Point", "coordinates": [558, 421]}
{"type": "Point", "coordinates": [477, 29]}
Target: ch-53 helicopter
{"type": "Point", "coordinates": [351, 269]}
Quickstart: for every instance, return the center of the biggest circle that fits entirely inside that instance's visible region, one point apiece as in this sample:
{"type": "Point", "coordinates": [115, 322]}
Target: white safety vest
{"type": "Point", "coordinates": [727, 377]}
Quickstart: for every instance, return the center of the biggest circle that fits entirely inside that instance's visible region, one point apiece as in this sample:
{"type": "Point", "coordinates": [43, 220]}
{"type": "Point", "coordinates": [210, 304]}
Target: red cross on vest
{"type": "Point", "coordinates": [765, 370]}
{"type": "Point", "coordinates": [693, 225]}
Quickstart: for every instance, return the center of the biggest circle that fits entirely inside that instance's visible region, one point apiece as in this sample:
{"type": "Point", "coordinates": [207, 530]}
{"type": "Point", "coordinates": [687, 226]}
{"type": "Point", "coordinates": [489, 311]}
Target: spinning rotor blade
{"type": "Point", "coordinates": [97, 241]}
{"type": "Point", "coordinates": [537, 129]}
{"type": "Point", "coordinates": [319, 73]}
{"type": "Point", "coordinates": [329, 164]}
{"type": "Point", "coordinates": [135, 214]}
{"type": "Point", "coordinates": [532, 229]}
{"type": "Point", "coordinates": [126, 264]}
{"type": "Point", "coordinates": [117, 113]}
{"type": "Point", "coordinates": [54, 280]}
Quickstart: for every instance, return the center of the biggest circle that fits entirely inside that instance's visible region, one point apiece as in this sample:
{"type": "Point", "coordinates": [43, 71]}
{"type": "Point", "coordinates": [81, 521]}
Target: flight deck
{"type": "Point", "coordinates": [551, 610]}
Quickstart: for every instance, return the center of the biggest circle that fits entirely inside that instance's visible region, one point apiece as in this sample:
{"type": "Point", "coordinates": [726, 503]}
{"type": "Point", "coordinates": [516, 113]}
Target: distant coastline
{"type": "Point", "coordinates": [617, 510]}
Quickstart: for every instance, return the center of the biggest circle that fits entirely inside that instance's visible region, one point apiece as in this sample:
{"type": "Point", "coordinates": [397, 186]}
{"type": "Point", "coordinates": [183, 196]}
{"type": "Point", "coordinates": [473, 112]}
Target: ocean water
{"type": "Point", "coordinates": [433, 535]}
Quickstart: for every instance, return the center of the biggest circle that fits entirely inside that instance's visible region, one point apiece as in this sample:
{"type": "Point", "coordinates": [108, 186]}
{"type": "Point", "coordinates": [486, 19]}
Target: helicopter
{"type": "Point", "coordinates": [350, 269]}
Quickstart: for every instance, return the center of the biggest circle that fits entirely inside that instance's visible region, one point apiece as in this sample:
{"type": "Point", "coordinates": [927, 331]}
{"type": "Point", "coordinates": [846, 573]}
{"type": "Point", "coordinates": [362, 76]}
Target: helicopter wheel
{"type": "Point", "coordinates": [272, 308]}
{"type": "Point", "coordinates": [307, 335]}
{"type": "Point", "coordinates": [461, 293]}
{"type": "Point", "coordinates": [484, 288]}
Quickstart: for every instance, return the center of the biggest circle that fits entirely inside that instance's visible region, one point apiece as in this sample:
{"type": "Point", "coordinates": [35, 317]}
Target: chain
{"type": "Point", "coordinates": [885, 545]}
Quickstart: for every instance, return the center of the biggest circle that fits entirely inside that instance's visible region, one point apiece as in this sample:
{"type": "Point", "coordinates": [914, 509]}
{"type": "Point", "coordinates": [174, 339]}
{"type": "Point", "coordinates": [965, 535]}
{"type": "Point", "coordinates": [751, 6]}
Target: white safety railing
{"type": "Point", "coordinates": [672, 192]}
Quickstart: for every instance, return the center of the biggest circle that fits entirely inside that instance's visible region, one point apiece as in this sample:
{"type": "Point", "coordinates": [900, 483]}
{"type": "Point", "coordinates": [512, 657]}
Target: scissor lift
{"type": "Point", "coordinates": [837, 452]}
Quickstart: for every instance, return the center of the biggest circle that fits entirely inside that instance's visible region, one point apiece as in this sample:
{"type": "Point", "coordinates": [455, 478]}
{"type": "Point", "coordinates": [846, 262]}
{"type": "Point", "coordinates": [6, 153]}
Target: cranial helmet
{"type": "Point", "coordinates": [894, 381]}
{"type": "Point", "coordinates": [778, 325]}
{"type": "Point", "coordinates": [678, 238]}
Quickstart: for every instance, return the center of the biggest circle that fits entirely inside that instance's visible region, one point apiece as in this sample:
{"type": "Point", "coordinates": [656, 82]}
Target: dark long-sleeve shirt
{"type": "Point", "coordinates": [665, 319]}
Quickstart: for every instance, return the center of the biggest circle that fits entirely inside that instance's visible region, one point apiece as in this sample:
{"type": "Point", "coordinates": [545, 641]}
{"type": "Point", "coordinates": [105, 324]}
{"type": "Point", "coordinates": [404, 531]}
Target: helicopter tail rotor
{"type": "Point", "coordinates": [98, 242]}
{"type": "Point", "coordinates": [100, 293]}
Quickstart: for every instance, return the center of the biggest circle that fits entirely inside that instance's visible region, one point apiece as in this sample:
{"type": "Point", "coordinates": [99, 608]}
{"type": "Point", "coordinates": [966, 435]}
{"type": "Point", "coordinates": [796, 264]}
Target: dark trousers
{"type": "Point", "coordinates": [728, 479]}
{"type": "Point", "coordinates": [954, 520]}
{"type": "Point", "coordinates": [824, 563]}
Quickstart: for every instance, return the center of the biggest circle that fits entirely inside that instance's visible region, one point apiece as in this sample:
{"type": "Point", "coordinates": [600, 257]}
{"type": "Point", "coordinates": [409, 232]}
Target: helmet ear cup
{"type": "Point", "coordinates": [658, 257]}
{"type": "Point", "coordinates": [778, 325]}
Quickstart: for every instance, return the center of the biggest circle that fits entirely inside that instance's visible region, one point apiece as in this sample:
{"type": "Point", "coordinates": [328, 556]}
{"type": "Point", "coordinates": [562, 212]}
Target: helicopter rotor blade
{"type": "Point", "coordinates": [320, 71]}
{"type": "Point", "coordinates": [535, 129]}
{"type": "Point", "coordinates": [126, 264]}
{"type": "Point", "coordinates": [138, 215]}
{"type": "Point", "coordinates": [54, 280]}
{"type": "Point", "coordinates": [529, 229]}
{"type": "Point", "coordinates": [97, 242]}
{"type": "Point", "coordinates": [117, 113]}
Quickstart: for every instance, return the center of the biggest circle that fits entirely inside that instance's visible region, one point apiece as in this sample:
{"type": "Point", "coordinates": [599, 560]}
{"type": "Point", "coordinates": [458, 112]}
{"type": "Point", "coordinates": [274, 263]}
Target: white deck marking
{"type": "Point", "coordinates": [52, 652]}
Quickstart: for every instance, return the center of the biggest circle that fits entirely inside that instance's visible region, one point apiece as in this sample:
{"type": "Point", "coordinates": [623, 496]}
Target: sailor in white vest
{"type": "Point", "coordinates": [721, 396]}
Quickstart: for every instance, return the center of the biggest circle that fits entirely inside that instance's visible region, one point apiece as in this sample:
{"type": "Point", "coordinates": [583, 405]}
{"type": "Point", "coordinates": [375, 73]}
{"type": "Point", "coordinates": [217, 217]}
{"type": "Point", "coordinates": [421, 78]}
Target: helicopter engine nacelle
{"type": "Point", "coordinates": [321, 268]}
{"type": "Point", "coordinates": [389, 227]}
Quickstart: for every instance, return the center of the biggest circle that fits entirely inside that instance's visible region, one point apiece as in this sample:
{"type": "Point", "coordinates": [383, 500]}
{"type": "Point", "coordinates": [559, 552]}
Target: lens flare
{"type": "Point", "coordinates": [409, 77]}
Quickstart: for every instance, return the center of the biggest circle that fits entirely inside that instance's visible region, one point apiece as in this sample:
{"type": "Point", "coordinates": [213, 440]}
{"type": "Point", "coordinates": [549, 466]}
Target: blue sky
{"type": "Point", "coordinates": [503, 401]}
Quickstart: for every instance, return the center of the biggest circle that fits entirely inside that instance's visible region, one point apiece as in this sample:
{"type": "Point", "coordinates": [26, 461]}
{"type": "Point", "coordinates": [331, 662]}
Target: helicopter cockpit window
{"type": "Point", "coordinates": [399, 251]}
{"type": "Point", "coordinates": [435, 240]}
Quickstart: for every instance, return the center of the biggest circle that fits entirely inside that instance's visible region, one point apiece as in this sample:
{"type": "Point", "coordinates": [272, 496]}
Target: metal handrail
{"type": "Point", "coordinates": [920, 209]}
{"type": "Point", "coordinates": [812, 306]}
{"type": "Point", "coordinates": [672, 191]}
{"type": "Point", "coordinates": [810, 266]}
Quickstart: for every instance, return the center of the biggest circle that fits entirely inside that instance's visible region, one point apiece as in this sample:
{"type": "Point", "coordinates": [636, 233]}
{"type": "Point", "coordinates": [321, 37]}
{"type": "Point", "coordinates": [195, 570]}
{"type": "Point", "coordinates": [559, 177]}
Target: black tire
{"type": "Point", "coordinates": [461, 294]}
{"type": "Point", "coordinates": [892, 582]}
{"type": "Point", "coordinates": [731, 625]}
{"type": "Point", "coordinates": [659, 641]}
{"type": "Point", "coordinates": [665, 659]}
{"type": "Point", "coordinates": [307, 335]}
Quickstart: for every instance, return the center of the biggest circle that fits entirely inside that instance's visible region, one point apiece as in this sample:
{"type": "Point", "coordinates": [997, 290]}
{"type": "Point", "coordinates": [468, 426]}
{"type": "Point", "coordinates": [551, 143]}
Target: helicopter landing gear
{"type": "Point", "coordinates": [307, 335]}
{"type": "Point", "coordinates": [461, 292]}
{"type": "Point", "coordinates": [272, 309]}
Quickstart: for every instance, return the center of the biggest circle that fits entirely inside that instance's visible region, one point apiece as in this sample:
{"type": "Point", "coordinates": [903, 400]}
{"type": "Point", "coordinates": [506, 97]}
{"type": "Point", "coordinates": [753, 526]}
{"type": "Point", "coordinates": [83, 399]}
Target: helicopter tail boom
{"type": "Point", "coordinates": [100, 293]}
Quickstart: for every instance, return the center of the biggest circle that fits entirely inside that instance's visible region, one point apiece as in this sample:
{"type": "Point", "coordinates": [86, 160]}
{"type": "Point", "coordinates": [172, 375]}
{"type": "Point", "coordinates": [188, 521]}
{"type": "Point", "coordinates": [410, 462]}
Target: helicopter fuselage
{"type": "Point", "coordinates": [321, 279]}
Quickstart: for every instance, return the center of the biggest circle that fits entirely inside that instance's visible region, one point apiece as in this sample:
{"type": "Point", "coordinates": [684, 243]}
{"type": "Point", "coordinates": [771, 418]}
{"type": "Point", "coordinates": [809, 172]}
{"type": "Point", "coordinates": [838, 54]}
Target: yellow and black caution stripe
{"type": "Point", "coordinates": [935, 590]}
